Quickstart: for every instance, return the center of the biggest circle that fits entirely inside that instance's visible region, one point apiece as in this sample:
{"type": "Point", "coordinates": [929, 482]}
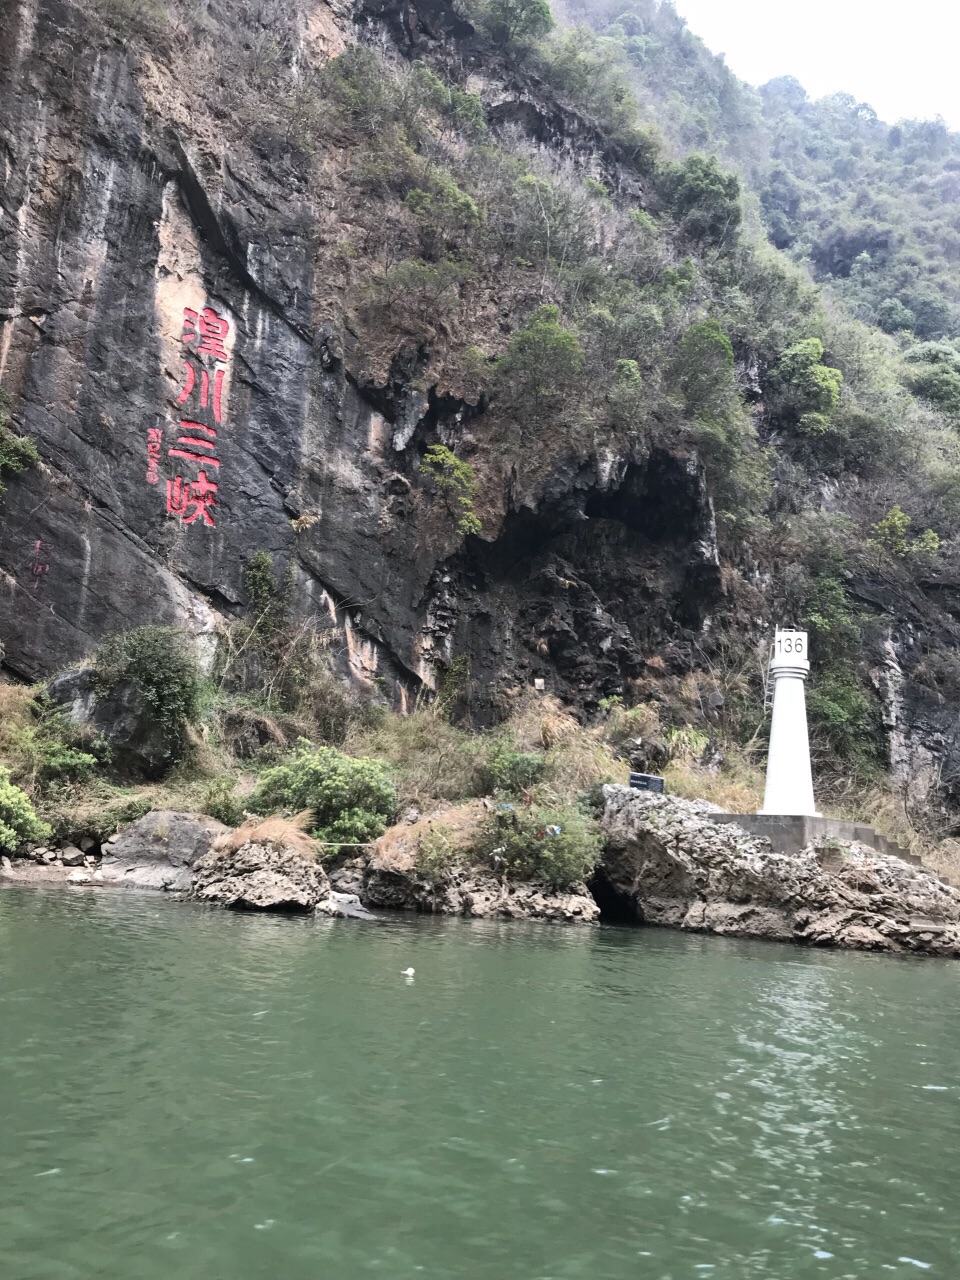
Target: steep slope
{"type": "Point", "coordinates": [870, 208]}
{"type": "Point", "coordinates": [413, 304]}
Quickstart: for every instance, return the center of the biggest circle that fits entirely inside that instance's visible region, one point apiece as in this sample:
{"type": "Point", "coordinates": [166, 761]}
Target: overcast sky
{"type": "Point", "coordinates": [902, 58]}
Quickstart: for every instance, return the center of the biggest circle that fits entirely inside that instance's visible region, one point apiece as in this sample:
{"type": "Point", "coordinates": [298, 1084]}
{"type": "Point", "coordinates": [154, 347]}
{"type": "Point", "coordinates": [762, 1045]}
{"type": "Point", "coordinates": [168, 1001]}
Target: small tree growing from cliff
{"type": "Point", "coordinates": [704, 369]}
{"type": "Point", "coordinates": [445, 213]}
{"type": "Point", "coordinates": [538, 372]}
{"type": "Point", "coordinates": [516, 22]}
{"type": "Point", "coordinates": [17, 453]}
{"type": "Point", "coordinates": [890, 537]}
{"type": "Point", "coordinates": [704, 199]}
{"type": "Point", "coordinates": [456, 480]}
{"type": "Point", "coordinates": [806, 391]}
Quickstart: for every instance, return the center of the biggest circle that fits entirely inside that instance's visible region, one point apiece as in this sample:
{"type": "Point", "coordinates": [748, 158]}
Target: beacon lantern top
{"type": "Point", "coordinates": [790, 650]}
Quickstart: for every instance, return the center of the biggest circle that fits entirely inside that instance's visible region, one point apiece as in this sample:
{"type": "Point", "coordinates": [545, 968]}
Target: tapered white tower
{"type": "Point", "coordinates": [789, 789]}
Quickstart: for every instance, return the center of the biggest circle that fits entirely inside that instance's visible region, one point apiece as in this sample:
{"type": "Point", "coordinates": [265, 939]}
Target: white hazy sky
{"type": "Point", "coordinates": [901, 58]}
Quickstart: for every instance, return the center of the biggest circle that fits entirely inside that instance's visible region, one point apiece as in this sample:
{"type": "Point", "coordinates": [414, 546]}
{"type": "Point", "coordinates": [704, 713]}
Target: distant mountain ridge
{"type": "Point", "coordinates": [872, 208]}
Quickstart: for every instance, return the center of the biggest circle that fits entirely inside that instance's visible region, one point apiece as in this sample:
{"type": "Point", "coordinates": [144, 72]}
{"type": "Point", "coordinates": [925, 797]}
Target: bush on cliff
{"type": "Point", "coordinates": [18, 821]}
{"type": "Point", "coordinates": [352, 799]}
{"type": "Point", "coordinates": [157, 662]}
{"type": "Point", "coordinates": [546, 841]}
{"type": "Point", "coordinates": [16, 452]}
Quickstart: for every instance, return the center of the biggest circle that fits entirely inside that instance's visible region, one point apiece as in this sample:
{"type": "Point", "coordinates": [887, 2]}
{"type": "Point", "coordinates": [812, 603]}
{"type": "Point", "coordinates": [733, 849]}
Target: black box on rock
{"type": "Point", "coordinates": [646, 782]}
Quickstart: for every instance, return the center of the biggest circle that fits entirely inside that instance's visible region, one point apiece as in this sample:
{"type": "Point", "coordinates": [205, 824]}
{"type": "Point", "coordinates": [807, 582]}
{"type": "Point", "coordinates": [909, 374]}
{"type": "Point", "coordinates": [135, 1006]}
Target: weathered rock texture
{"type": "Point", "coordinates": [258, 877]}
{"type": "Point", "coordinates": [666, 863]}
{"type": "Point", "coordinates": [159, 851]}
{"type": "Point", "coordinates": [389, 877]}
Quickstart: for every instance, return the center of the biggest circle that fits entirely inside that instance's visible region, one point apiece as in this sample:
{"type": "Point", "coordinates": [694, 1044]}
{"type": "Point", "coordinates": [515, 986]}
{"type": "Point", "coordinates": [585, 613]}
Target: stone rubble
{"type": "Point", "coordinates": [668, 864]}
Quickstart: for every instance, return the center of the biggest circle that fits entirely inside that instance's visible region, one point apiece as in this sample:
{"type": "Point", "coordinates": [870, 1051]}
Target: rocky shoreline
{"type": "Point", "coordinates": [665, 863]}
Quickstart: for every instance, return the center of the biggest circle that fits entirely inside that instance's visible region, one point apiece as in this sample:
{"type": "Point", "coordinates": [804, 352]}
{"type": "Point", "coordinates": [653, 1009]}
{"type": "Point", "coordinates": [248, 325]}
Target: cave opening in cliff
{"type": "Point", "coordinates": [660, 500]}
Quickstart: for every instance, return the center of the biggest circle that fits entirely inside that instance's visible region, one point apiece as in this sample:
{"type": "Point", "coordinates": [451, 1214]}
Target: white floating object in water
{"type": "Point", "coordinates": [407, 973]}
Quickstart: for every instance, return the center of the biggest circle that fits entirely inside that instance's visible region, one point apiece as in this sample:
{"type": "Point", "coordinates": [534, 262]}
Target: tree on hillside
{"type": "Point", "coordinates": [512, 22]}
{"type": "Point", "coordinates": [704, 199]}
{"type": "Point", "coordinates": [538, 372]}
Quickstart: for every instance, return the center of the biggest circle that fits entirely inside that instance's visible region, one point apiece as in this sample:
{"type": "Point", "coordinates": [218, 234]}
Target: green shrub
{"type": "Point", "coordinates": [352, 799]}
{"type": "Point", "coordinates": [844, 721]}
{"type": "Point", "coordinates": [220, 802]}
{"type": "Point", "coordinates": [514, 22]}
{"type": "Point", "coordinates": [704, 368]}
{"type": "Point", "coordinates": [889, 537]}
{"type": "Point", "coordinates": [456, 480]}
{"type": "Point", "coordinates": [18, 821]}
{"type": "Point", "coordinates": [554, 843]}
{"type": "Point", "coordinates": [541, 366]}
{"type": "Point", "coordinates": [445, 213]}
{"type": "Point", "coordinates": [426, 289]}
{"type": "Point", "coordinates": [513, 771]}
{"type": "Point", "coordinates": [362, 95]}
{"type": "Point", "coordinates": [17, 453]}
{"type": "Point", "coordinates": [158, 662]}
{"type": "Point", "coordinates": [806, 392]}
{"type": "Point", "coordinates": [934, 375]}
{"type": "Point", "coordinates": [268, 594]}
{"type": "Point", "coordinates": [436, 854]}
{"type": "Point", "coordinates": [42, 747]}
{"type": "Point", "coordinates": [704, 199]}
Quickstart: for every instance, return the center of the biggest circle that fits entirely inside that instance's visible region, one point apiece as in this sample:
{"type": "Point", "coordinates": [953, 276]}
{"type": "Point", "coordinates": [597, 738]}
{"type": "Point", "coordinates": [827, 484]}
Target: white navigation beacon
{"type": "Point", "coordinates": [789, 789]}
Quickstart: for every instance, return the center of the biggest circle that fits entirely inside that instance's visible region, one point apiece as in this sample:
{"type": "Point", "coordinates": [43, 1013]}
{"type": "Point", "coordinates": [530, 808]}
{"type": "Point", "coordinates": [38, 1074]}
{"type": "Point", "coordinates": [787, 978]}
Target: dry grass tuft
{"type": "Point", "coordinates": [541, 723]}
{"type": "Point", "coordinates": [280, 833]}
{"type": "Point", "coordinates": [737, 788]}
{"type": "Point", "coordinates": [429, 758]}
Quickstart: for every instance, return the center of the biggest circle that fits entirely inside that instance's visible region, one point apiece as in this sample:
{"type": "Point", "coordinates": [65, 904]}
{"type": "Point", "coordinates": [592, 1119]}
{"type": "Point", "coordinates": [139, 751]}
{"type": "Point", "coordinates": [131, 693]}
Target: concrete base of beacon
{"type": "Point", "coordinates": [790, 833]}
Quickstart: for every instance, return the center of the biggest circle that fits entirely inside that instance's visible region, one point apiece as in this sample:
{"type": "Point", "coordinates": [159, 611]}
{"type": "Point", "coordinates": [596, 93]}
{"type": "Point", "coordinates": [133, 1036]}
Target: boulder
{"type": "Point", "coordinates": [666, 863]}
{"type": "Point", "coordinates": [392, 879]}
{"type": "Point", "coordinates": [259, 877]}
{"type": "Point", "coordinates": [346, 905]}
{"type": "Point", "coordinates": [71, 856]}
{"type": "Point", "coordinates": [139, 743]}
{"type": "Point", "coordinates": [158, 851]}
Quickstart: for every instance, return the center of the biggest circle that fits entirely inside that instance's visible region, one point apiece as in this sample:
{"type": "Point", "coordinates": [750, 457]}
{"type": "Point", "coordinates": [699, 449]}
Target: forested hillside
{"type": "Point", "coordinates": [871, 208]}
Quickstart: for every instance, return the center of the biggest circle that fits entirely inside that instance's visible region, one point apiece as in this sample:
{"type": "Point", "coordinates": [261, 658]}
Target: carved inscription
{"type": "Point", "coordinates": [192, 491]}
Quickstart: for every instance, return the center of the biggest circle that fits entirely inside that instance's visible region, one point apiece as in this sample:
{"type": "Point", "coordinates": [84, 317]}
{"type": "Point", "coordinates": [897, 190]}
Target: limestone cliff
{"type": "Point", "coordinates": [181, 334]}
{"type": "Point", "coordinates": [171, 309]}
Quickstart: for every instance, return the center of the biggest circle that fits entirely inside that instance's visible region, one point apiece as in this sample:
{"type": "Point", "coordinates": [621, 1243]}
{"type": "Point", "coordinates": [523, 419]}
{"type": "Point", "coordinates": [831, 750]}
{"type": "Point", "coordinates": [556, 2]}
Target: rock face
{"type": "Point", "coordinates": [257, 877]}
{"type": "Point", "coordinates": [666, 863]}
{"type": "Point", "coordinates": [124, 213]}
{"type": "Point", "coordinates": [139, 743]}
{"type": "Point", "coordinates": [389, 877]}
{"type": "Point", "coordinates": [159, 850]}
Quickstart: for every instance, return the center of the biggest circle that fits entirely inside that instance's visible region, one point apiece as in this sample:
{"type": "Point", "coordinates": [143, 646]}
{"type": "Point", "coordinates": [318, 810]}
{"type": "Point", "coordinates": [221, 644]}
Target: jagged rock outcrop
{"type": "Point", "coordinates": [390, 876]}
{"type": "Point", "coordinates": [666, 863]}
{"type": "Point", "coordinates": [259, 877]}
{"type": "Point", "coordinates": [139, 741]}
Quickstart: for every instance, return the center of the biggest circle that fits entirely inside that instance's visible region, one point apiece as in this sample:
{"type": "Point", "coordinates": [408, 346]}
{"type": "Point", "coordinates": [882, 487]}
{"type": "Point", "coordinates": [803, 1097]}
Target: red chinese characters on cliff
{"type": "Point", "coordinates": [192, 492]}
{"type": "Point", "coordinates": [39, 563]}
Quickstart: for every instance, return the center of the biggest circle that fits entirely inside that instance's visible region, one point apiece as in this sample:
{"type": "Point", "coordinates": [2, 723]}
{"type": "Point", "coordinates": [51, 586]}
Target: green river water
{"type": "Point", "coordinates": [189, 1094]}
